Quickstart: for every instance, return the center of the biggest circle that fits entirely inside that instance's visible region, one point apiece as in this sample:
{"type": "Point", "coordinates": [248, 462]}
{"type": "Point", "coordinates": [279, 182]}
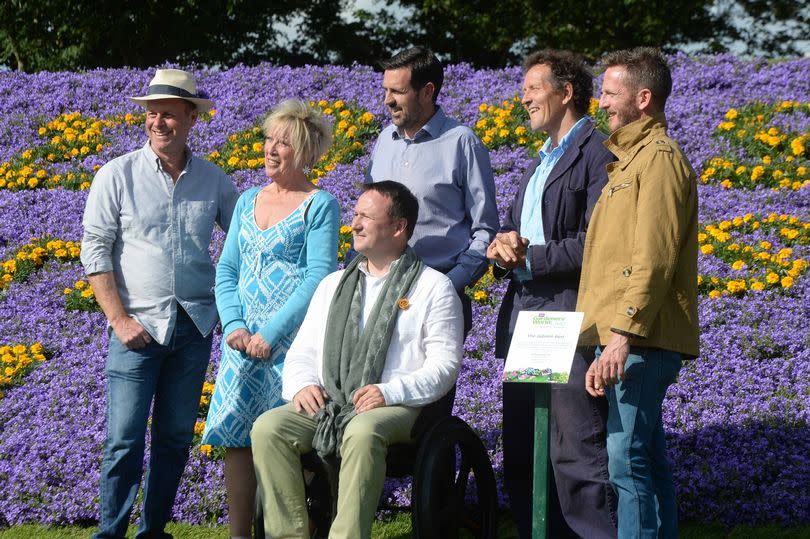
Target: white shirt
{"type": "Point", "coordinates": [424, 355]}
{"type": "Point", "coordinates": [153, 233]}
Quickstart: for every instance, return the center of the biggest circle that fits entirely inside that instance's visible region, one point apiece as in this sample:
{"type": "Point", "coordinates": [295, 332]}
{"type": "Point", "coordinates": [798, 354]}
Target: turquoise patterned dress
{"type": "Point", "coordinates": [269, 273]}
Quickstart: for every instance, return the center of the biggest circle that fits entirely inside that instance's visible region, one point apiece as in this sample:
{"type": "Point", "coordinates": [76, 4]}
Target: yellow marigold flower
{"type": "Point", "coordinates": [731, 114]}
{"type": "Point", "coordinates": [257, 147]}
{"type": "Point", "coordinates": [19, 349]}
{"type": "Point", "coordinates": [479, 295]}
{"type": "Point", "coordinates": [707, 249]}
{"type": "Point", "coordinates": [339, 104]}
{"type": "Point", "coordinates": [738, 265]}
{"type": "Point", "coordinates": [503, 133]}
{"type": "Point", "coordinates": [789, 233]}
{"type": "Point", "coordinates": [61, 253]}
{"type": "Point", "coordinates": [701, 237]}
{"type": "Point", "coordinates": [80, 285]}
{"type": "Point", "coordinates": [714, 294]}
{"type": "Point", "coordinates": [757, 172]}
{"type": "Point", "coordinates": [726, 184]}
{"type": "Point", "coordinates": [801, 171]}
{"type": "Point", "coordinates": [772, 278]}
{"type": "Point", "coordinates": [482, 107]}
{"type": "Point", "coordinates": [800, 264]}
{"type": "Point", "coordinates": [787, 281]}
{"type": "Point", "coordinates": [735, 285]}
{"type": "Point", "coordinates": [366, 117]}
{"type": "Point", "coordinates": [766, 159]}
{"type": "Point", "coordinates": [33, 182]}
{"type": "Point", "coordinates": [206, 450]}
{"type": "Point", "coordinates": [726, 126]}
{"type": "Point", "coordinates": [67, 291]}
{"type": "Point", "coordinates": [699, 280]}
{"type": "Point", "coordinates": [740, 170]}
{"type": "Point", "coordinates": [765, 245]}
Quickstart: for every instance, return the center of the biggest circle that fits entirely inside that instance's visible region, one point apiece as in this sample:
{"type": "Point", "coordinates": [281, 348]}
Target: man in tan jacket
{"type": "Point", "coordinates": [638, 287]}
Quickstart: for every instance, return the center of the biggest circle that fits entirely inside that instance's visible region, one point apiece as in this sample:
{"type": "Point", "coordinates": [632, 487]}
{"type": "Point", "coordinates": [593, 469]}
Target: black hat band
{"type": "Point", "coordinates": [169, 90]}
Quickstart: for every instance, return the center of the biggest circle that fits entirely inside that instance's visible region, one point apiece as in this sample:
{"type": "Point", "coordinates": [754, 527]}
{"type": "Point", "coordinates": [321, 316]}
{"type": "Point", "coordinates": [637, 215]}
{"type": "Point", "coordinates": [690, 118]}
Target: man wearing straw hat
{"type": "Point", "coordinates": [147, 226]}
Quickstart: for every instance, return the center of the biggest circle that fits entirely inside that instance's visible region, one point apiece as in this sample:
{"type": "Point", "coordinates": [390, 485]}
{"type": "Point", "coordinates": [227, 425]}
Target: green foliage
{"type": "Point", "coordinates": [56, 35]}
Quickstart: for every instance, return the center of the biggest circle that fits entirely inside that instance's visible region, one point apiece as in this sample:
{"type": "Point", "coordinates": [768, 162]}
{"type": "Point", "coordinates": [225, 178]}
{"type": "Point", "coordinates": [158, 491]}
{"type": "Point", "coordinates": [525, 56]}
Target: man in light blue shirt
{"type": "Point", "coordinates": [541, 245]}
{"type": "Point", "coordinates": [147, 227]}
{"type": "Point", "coordinates": [444, 165]}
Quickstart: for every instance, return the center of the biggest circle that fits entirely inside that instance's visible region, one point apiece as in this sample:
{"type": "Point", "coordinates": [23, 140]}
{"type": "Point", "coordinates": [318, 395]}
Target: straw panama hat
{"type": "Point", "coordinates": [174, 84]}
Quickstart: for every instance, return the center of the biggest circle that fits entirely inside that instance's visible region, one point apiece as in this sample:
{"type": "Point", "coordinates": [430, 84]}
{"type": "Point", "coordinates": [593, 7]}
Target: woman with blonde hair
{"type": "Point", "coordinates": [282, 242]}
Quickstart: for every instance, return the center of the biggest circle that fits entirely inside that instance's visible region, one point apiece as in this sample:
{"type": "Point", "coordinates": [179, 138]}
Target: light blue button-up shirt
{"type": "Point", "coordinates": [447, 168]}
{"type": "Point", "coordinates": [531, 216]}
{"type": "Point", "coordinates": [153, 234]}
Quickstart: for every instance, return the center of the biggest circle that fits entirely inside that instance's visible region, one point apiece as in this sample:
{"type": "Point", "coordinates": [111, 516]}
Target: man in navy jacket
{"type": "Point", "coordinates": [540, 249]}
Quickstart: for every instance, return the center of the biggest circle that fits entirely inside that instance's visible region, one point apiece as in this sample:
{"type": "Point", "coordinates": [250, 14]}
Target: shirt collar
{"type": "Point", "coordinates": [565, 142]}
{"type": "Point", "coordinates": [153, 157]}
{"type": "Point", "coordinates": [432, 128]}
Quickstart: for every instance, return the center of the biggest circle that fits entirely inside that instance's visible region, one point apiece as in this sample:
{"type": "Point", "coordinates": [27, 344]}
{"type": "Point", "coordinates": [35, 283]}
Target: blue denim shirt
{"type": "Point", "coordinates": [447, 168]}
{"type": "Point", "coordinates": [153, 234]}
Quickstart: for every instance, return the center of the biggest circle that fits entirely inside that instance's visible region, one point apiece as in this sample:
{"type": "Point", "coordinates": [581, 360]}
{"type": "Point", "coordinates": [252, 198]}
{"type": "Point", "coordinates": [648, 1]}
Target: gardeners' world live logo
{"type": "Point", "coordinates": [546, 320]}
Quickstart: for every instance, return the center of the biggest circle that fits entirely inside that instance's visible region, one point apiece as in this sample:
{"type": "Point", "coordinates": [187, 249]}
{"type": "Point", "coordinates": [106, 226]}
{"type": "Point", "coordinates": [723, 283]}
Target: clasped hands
{"type": "Point", "coordinates": [254, 346]}
{"type": "Point", "coordinates": [313, 397]}
{"type": "Point", "coordinates": [508, 250]}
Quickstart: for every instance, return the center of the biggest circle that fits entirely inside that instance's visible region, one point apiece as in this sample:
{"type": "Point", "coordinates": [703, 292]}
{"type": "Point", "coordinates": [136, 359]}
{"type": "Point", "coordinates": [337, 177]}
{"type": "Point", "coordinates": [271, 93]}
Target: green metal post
{"type": "Point", "coordinates": [542, 404]}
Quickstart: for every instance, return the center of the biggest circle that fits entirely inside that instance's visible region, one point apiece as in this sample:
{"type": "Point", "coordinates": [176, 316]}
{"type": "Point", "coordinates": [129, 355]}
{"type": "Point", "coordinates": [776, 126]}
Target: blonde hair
{"type": "Point", "coordinates": [308, 131]}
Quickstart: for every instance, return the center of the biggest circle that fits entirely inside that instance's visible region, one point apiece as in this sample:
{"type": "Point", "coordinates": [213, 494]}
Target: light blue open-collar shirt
{"type": "Point", "coordinates": [531, 217]}
{"type": "Point", "coordinates": [154, 233]}
{"type": "Point", "coordinates": [447, 168]}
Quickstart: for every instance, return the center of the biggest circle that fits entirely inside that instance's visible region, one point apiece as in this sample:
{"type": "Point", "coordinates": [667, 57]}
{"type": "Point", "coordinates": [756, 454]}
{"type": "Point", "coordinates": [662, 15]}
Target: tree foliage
{"type": "Point", "coordinates": [56, 35]}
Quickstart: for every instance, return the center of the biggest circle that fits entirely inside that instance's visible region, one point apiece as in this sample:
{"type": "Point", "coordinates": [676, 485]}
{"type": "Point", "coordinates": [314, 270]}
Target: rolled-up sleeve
{"type": "Point", "coordinates": [101, 222]}
{"type": "Point", "coordinates": [479, 201]}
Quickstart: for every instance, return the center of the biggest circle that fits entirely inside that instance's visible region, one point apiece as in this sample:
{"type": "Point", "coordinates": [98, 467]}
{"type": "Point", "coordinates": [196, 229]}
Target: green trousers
{"type": "Point", "coordinates": [279, 438]}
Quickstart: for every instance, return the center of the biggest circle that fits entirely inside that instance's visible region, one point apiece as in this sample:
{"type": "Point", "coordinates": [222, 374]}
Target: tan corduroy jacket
{"type": "Point", "coordinates": [639, 272]}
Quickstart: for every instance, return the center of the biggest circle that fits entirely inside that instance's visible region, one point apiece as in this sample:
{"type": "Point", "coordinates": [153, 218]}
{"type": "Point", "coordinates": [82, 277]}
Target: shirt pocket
{"type": "Point", "coordinates": [198, 217]}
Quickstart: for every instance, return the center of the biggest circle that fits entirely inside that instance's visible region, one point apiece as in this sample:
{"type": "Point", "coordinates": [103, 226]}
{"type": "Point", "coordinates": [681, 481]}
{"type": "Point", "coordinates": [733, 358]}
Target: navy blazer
{"type": "Point", "coordinates": [569, 195]}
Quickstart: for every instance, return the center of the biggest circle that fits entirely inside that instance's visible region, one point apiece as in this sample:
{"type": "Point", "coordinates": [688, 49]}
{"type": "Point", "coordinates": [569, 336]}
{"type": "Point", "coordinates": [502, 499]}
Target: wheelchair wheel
{"type": "Point", "coordinates": [258, 518]}
{"type": "Point", "coordinates": [451, 457]}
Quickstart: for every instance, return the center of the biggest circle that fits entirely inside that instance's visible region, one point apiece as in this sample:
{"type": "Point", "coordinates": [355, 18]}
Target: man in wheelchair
{"type": "Point", "coordinates": [380, 340]}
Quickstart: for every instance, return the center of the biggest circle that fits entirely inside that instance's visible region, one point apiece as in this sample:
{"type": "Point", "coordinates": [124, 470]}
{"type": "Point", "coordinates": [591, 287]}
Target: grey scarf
{"type": "Point", "coordinates": [352, 360]}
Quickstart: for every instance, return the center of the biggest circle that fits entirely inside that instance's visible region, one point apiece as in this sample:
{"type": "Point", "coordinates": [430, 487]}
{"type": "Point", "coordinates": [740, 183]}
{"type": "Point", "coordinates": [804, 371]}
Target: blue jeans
{"type": "Point", "coordinates": [636, 445]}
{"type": "Point", "coordinates": [173, 375]}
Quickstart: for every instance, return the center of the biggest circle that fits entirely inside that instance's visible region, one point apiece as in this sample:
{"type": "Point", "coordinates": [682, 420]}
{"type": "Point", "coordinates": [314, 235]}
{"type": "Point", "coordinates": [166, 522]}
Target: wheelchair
{"type": "Point", "coordinates": [445, 457]}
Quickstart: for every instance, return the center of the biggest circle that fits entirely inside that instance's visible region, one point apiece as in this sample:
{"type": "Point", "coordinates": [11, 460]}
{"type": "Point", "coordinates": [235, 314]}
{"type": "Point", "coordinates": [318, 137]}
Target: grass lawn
{"type": "Point", "coordinates": [399, 527]}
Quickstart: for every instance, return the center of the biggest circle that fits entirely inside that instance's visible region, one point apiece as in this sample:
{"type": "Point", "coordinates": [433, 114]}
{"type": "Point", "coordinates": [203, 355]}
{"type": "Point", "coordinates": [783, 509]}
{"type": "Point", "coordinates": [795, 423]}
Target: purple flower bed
{"type": "Point", "coordinates": [737, 420]}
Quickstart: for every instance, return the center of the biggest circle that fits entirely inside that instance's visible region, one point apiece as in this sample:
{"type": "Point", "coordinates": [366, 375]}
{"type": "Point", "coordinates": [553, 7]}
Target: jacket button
{"type": "Point", "coordinates": [631, 311]}
{"type": "Point", "coordinates": [626, 272]}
